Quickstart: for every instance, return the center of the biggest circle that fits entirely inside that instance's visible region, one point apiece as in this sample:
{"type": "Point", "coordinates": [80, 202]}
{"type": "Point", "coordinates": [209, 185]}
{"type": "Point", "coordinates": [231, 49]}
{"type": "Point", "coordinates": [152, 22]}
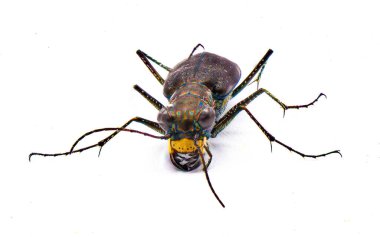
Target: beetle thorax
{"type": "Point", "coordinates": [190, 113]}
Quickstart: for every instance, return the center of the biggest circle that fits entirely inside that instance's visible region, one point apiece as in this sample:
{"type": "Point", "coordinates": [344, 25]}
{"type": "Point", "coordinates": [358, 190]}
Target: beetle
{"type": "Point", "coordinates": [198, 89]}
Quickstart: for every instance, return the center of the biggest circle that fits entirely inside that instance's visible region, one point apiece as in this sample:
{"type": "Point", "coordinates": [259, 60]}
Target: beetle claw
{"type": "Point", "coordinates": [100, 150]}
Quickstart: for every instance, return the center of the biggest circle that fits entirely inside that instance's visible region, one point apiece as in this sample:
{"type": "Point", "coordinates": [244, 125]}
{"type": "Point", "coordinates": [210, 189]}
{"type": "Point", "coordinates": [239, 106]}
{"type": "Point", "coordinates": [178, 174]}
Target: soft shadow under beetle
{"type": "Point", "coordinates": [198, 90]}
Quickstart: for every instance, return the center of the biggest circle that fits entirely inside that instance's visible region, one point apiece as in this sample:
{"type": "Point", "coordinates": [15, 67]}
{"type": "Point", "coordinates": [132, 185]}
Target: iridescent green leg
{"type": "Point", "coordinates": [150, 98]}
{"type": "Point", "coordinates": [231, 114]}
{"type": "Point", "coordinates": [148, 123]}
{"type": "Point", "coordinates": [248, 79]}
{"type": "Point", "coordinates": [145, 58]}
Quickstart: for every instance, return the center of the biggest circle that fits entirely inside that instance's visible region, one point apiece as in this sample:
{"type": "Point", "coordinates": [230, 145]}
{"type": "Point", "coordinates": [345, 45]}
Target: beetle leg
{"type": "Point", "coordinates": [271, 139]}
{"type": "Point", "coordinates": [154, 60]}
{"type": "Point", "coordinates": [284, 106]}
{"type": "Point", "coordinates": [145, 58]}
{"type": "Point", "coordinates": [248, 79]}
{"type": "Point", "coordinates": [148, 123]}
{"type": "Point", "coordinates": [195, 48]}
{"type": "Point", "coordinates": [258, 76]}
{"type": "Point", "coordinates": [150, 98]}
{"type": "Point", "coordinates": [231, 114]}
{"type": "Point", "coordinates": [99, 143]}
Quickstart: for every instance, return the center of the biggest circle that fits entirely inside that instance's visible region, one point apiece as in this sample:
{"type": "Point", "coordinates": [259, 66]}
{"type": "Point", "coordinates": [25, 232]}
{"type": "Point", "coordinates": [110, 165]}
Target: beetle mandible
{"type": "Point", "coordinates": [198, 90]}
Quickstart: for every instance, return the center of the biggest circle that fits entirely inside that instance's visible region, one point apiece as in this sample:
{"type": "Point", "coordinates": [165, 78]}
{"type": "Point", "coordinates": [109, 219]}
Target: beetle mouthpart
{"type": "Point", "coordinates": [185, 161]}
{"type": "Point", "coordinates": [186, 145]}
{"type": "Point", "coordinates": [184, 154]}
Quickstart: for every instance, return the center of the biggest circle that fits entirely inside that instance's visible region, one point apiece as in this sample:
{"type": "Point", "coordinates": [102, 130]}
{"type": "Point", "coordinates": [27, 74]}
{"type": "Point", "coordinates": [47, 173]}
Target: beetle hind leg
{"type": "Point", "coordinates": [195, 48]}
{"type": "Point", "coordinates": [260, 66]}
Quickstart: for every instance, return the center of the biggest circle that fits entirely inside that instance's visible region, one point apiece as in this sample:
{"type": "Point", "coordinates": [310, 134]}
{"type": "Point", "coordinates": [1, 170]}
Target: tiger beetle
{"type": "Point", "coordinates": [198, 90]}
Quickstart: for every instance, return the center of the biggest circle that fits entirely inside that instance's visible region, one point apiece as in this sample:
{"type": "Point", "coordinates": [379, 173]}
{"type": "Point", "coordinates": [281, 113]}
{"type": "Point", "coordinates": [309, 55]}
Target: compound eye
{"type": "Point", "coordinates": [164, 119]}
{"type": "Point", "coordinates": [207, 118]}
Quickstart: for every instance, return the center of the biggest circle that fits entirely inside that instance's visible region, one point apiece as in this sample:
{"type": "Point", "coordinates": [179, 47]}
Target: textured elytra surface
{"type": "Point", "coordinates": [219, 74]}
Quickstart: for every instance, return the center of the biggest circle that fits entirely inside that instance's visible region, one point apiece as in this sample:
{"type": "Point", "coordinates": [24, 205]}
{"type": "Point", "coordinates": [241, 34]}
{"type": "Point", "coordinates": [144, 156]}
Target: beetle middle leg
{"type": "Point", "coordinates": [146, 122]}
{"type": "Point", "coordinates": [231, 114]}
{"type": "Point", "coordinates": [153, 125]}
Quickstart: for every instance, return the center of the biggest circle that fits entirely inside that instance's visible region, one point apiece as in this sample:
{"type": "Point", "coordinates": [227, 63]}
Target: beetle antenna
{"type": "Point", "coordinates": [206, 173]}
{"type": "Point", "coordinates": [101, 143]}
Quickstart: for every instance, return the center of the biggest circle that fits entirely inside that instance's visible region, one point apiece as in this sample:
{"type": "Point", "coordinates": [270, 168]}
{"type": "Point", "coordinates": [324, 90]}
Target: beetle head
{"type": "Point", "coordinates": [187, 120]}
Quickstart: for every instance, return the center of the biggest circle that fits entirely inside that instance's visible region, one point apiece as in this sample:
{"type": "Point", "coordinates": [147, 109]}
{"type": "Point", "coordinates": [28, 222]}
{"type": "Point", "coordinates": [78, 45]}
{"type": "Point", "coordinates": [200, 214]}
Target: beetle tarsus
{"type": "Point", "coordinates": [100, 150]}
{"type": "Point", "coordinates": [195, 48]}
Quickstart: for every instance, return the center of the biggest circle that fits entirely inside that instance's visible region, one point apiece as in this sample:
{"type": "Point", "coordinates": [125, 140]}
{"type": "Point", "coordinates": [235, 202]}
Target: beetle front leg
{"type": "Point", "coordinates": [104, 141]}
{"type": "Point", "coordinates": [146, 122]}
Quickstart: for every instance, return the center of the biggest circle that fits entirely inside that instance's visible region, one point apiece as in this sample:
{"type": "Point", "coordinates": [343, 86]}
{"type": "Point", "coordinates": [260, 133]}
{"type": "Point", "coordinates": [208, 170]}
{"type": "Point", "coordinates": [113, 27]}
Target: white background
{"type": "Point", "coordinates": [67, 67]}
